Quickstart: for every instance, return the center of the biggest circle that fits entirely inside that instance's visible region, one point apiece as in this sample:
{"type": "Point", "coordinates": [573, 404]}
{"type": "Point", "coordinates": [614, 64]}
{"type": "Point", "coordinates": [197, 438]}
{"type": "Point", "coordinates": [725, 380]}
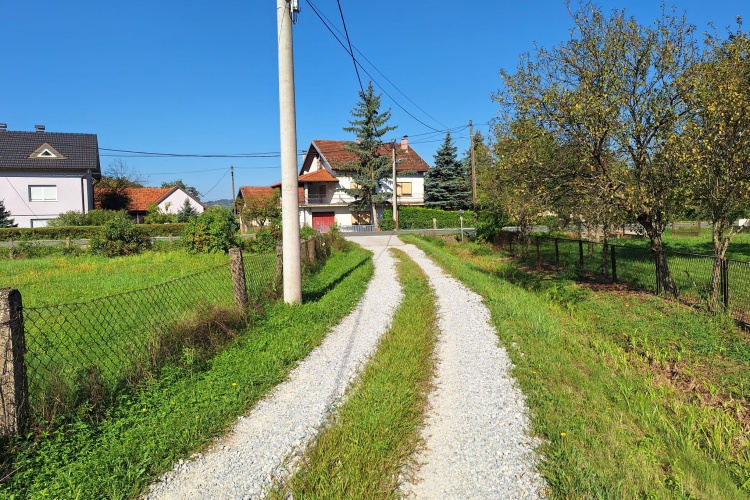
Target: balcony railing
{"type": "Point", "coordinates": [324, 199]}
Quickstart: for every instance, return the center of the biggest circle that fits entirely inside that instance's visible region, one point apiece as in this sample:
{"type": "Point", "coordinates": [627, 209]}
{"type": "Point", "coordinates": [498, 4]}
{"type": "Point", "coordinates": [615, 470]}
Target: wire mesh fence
{"type": "Point", "coordinates": [78, 355]}
{"type": "Point", "coordinates": [636, 266]}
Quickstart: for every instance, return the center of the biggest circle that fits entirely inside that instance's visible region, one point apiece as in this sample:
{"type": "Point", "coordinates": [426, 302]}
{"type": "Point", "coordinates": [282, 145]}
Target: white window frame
{"type": "Point", "coordinates": [43, 193]}
{"type": "Point", "coordinates": [39, 222]}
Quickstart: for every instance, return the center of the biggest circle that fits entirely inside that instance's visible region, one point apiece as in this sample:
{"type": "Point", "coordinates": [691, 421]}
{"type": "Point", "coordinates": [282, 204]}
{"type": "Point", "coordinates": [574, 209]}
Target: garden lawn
{"type": "Point", "coordinates": [633, 396]}
{"type": "Point", "coordinates": [181, 411]}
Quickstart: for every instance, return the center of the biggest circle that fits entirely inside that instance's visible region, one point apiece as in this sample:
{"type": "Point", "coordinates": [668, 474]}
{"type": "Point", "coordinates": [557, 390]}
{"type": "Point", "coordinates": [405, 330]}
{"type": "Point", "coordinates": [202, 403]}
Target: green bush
{"type": "Point", "coordinates": [264, 241]}
{"type": "Point", "coordinates": [387, 224]}
{"type": "Point", "coordinates": [212, 231]}
{"type": "Point", "coordinates": [306, 231]}
{"type": "Point", "coordinates": [421, 218]}
{"type": "Point", "coordinates": [121, 237]}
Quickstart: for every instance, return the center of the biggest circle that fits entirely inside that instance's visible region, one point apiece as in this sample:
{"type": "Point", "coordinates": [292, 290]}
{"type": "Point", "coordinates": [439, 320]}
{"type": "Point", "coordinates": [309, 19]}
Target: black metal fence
{"type": "Point", "coordinates": [636, 267]}
{"type": "Point", "coordinates": [80, 354]}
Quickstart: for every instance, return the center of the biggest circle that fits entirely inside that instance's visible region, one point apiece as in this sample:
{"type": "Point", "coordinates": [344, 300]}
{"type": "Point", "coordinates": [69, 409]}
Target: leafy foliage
{"type": "Point", "coordinates": [121, 236]}
{"type": "Point", "coordinates": [616, 91]}
{"type": "Point", "coordinates": [179, 183]}
{"type": "Point", "coordinates": [261, 210]}
{"type": "Point", "coordinates": [448, 184]}
{"type": "Point", "coordinates": [215, 230]}
{"type": "Point", "coordinates": [371, 166]}
{"type": "Point", "coordinates": [155, 215]}
{"type": "Point", "coordinates": [715, 144]}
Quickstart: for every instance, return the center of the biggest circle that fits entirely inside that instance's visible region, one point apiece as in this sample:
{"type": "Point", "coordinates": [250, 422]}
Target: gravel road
{"type": "Point", "coordinates": [476, 433]}
{"type": "Point", "coordinates": [261, 444]}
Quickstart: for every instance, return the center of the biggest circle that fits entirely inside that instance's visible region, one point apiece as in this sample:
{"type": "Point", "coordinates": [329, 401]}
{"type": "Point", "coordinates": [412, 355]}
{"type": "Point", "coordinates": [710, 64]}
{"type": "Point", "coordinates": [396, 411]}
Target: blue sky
{"type": "Point", "coordinates": [192, 77]}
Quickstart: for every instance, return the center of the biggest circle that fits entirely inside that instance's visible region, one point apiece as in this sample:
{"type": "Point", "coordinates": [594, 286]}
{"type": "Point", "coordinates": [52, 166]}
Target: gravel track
{"type": "Point", "coordinates": [476, 441]}
{"type": "Point", "coordinates": [476, 431]}
{"type": "Point", "coordinates": [262, 445]}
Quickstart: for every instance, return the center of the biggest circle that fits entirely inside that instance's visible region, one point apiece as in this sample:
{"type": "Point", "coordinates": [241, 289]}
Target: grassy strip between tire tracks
{"type": "Point", "coordinates": [634, 396]}
{"type": "Point", "coordinates": [187, 406]}
{"type": "Point", "coordinates": [373, 435]}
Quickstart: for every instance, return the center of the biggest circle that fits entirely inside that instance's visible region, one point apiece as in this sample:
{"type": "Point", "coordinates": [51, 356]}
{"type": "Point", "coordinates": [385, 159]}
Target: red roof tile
{"type": "Point", "coordinates": [256, 191]}
{"type": "Point", "coordinates": [336, 156]}
{"type": "Point", "coordinates": [321, 175]}
{"type": "Point", "coordinates": [140, 198]}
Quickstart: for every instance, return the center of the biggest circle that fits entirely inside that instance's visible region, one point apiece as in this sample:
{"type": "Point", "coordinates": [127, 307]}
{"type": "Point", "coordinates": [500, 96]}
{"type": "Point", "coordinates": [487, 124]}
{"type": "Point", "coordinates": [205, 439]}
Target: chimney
{"type": "Point", "coordinates": [405, 143]}
{"type": "Point", "coordinates": [39, 128]}
{"type": "Point", "coordinates": [3, 127]}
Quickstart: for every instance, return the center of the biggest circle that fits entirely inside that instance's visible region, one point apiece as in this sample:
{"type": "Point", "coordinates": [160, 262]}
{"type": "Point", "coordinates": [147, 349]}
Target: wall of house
{"type": "Point", "coordinates": [417, 188]}
{"type": "Point", "coordinates": [173, 203]}
{"type": "Point", "coordinates": [72, 192]}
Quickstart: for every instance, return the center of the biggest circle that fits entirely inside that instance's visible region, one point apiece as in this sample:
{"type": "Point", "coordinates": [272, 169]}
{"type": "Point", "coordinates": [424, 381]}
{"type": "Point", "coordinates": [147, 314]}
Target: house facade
{"type": "Point", "coordinates": [44, 174]}
{"type": "Point", "coordinates": [322, 178]}
{"type": "Point", "coordinates": [168, 200]}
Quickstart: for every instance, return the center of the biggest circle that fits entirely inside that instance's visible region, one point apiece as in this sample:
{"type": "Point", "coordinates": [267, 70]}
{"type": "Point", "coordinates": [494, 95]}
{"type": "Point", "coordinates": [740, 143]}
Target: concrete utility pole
{"type": "Point", "coordinates": [473, 170]}
{"type": "Point", "coordinates": [395, 193]}
{"type": "Point", "coordinates": [234, 196]}
{"type": "Point", "coordinates": [289, 194]}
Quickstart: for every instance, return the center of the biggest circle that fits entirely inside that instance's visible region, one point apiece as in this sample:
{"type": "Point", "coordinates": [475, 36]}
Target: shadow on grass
{"type": "Point", "coordinates": [321, 289]}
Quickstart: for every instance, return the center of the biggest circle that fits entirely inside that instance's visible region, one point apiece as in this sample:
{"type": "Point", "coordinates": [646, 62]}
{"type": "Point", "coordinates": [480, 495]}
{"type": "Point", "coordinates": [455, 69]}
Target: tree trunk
{"type": "Point", "coordinates": [605, 250]}
{"type": "Point", "coordinates": [665, 282]}
{"type": "Point", "coordinates": [720, 245]}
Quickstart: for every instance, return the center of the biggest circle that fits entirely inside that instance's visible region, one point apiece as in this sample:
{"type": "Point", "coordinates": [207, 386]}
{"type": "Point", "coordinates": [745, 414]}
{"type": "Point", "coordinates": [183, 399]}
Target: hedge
{"type": "Point", "coordinates": [421, 218]}
{"type": "Point", "coordinates": [81, 232]}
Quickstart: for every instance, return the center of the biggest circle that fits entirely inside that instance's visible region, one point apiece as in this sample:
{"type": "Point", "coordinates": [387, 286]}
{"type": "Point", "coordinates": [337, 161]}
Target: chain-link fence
{"type": "Point", "coordinates": [636, 266]}
{"type": "Point", "coordinates": [80, 355]}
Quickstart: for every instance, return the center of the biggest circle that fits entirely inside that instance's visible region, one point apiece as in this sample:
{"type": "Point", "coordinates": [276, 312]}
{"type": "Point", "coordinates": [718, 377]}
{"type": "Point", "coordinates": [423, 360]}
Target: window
{"type": "Point", "coordinates": [42, 193]}
{"type": "Point", "coordinates": [39, 222]}
{"type": "Point", "coordinates": [362, 218]}
{"type": "Point", "coordinates": [403, 189]}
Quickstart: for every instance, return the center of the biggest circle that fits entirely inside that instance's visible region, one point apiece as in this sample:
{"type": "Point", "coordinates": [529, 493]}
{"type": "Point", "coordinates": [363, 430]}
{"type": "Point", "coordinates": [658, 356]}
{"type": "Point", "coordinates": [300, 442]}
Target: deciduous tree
{"type": "Point", "coordinates": [615, 88]}
{"type": "Point", "coordinates": [716, 142]}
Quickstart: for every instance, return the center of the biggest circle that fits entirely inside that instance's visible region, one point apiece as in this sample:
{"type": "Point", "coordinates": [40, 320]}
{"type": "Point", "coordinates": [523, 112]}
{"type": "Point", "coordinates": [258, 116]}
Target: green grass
{"type": "Point", "coordinates": [60, 280]}
{"type": "Point", "coordinates": [180, 412]}
{"type": "Point", "coordinates": [739, 249]}
{"type": "Point", "coordinates": [373, 434]}
{"type": "Point", "coordinates": [634, 396]}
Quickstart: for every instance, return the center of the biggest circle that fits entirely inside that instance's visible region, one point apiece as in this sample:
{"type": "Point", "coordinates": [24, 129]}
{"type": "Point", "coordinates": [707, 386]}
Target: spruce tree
{"type": "Point", "coordinates": [370, 167]}
{"type": "Point", "coordinates": [5, 220]}
{"type": "Point", "coordinates": [447, 185]}
{"type": "Point", "coordinates": [186, 212]}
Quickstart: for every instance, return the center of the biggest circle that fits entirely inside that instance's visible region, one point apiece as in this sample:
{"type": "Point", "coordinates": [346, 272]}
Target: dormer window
{"type": "Point", "coordinates": [46, 151]}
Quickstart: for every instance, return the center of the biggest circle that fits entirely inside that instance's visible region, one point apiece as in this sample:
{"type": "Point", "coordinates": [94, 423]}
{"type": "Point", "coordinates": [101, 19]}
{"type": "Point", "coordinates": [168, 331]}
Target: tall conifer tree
{"type": "Point", "coordinates": [370, 168]}
{"type": "Point", "coordinates": [447, 185]}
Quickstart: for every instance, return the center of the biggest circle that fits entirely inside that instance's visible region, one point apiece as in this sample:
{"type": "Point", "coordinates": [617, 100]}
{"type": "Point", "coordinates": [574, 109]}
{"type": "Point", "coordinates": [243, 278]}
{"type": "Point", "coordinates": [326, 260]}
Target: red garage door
{"type": "Point", "coordinates": [322, 221]}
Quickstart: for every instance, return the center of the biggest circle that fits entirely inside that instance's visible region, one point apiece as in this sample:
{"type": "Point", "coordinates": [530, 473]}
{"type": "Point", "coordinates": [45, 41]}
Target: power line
{"type": "Point", "coordinates": [349, 41]}
{"type": "Point", "coordinates": [312, 6]}
{"type": "Point", "coordinates": [384, 76]}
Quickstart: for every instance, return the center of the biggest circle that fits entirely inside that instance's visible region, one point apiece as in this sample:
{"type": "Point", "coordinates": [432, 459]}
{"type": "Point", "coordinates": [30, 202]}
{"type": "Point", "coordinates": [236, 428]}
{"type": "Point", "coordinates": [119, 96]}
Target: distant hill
{"type": "Point", "coordinates": [226, 203]}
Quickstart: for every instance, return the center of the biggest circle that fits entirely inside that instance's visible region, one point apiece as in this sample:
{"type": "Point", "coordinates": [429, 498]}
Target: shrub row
{"type": "Point", "coordinates": [421, 218]}
{"type": "Point", "coordinates": [82, 232]}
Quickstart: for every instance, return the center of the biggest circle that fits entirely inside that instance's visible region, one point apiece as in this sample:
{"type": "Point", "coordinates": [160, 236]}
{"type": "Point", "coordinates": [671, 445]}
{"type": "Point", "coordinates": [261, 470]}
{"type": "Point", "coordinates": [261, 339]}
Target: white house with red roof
{"type": "Point", "coordinates": [322, 178]}
{"type": "Point", "coordinates": [168, 200]}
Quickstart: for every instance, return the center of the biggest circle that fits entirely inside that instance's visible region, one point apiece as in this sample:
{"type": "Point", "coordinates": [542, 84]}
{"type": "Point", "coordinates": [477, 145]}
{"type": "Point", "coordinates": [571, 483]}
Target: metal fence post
{"type": "Point", "coordinates": [14, 393]}
{"type": "Point", "coordinates": [557, 253]}
{"type": "Point", "coordinates": [658, 273]}
{"type": "Point", "coordinates": [613, 260]}
{"type": "Point", "coordinates": [538, 252]}
{"type": "Point", "coordinates": [580, 253]}
{"type": "Point", "coordinates": [725, 282]}
{"type": "Point", "coordinates": [238, 279]}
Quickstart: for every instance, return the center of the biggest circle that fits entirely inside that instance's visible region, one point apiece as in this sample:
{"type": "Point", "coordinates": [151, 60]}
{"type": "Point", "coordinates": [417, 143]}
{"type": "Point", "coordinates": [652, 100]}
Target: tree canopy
{"type": "Point", "coordinates": [371, 166]}
{"type": "Point", "coordinates": [447, 185]}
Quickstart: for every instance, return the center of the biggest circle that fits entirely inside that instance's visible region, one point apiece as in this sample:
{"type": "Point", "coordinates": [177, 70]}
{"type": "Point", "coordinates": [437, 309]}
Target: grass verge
{"type": "Point", "coordinates": [145, 433]}
{"type": "Point", "coordinates": [373, 434]}
{"type": "Point", "coordinates": [635, 397]}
